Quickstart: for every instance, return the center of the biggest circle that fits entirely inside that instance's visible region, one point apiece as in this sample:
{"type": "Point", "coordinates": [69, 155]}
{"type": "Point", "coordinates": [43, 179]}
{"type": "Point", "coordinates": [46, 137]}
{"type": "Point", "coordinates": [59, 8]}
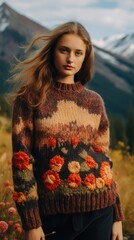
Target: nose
{"type": "Point", "coordinates": [70, 58]}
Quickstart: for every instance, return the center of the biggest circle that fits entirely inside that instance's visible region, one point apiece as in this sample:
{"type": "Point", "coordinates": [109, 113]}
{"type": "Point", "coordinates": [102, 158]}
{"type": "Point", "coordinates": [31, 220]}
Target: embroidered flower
{"type": "Point", "coordinates": [52, 142]}
{"type": "Point", "coordinates": [97, 148]}
{"type": "Point", "coordinates": [74, 180]}
{"type": "Point", "coordinates": [21, 160]}
{"type": "Point", "coordinates": [32, 194]}
{"type": "Point", "coordinates": [75, 141]}
{"type": "Point", "coordinates": [89, 181]}
{"type": "Point", "coordinates": [3, 226]}
{"type": "Point", "coordinates": [19, 197]}
{"type": "Point", "coordinates": [56, 163]}
{"type": "Point", "coordinates": [106, 174]}
{"type": "Point", "coordinates": [100, 183]}
{"type": "Point", "coordinates": [51, 180]}
{"type": "Point", "coordinates": [74, 167]}
{"type": "Point", "coordinates": [90, 161]}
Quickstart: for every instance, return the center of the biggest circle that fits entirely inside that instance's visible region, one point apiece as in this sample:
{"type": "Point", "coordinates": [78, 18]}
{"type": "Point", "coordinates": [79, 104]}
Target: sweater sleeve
{"type": "Point", "coordinates": [103, 141]}
{"type": "Point", "coordinates": [25, 189]}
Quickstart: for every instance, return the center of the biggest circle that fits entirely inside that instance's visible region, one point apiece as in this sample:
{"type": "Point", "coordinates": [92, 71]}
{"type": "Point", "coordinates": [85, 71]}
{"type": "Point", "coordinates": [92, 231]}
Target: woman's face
{"type": "Point", "coordinates": [69, 55]}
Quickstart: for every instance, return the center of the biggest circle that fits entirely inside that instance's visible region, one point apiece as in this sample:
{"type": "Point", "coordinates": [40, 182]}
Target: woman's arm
{"type": "Point", "coordinates": [35, 234]}
{"type": "Point", "coordinates": [117, 233]}
{"type": "Point", "coordinates": [25, 194]}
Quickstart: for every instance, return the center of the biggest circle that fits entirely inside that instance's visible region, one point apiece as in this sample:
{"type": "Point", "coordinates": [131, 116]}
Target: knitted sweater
{"type": "Point", "coordinates": [60, 162]}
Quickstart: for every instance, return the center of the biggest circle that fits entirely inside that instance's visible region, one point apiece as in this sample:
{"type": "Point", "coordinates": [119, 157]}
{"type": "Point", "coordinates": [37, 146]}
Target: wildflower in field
{"type": "Point", "coordinates": [10, 223]}
{"type": "Point", "coordinates": [7, 183]}
{"type": "Point", "coordinates": [3, 226]}
{"type": "Point", "coordinates": [2, 204]}
{"type": "Point", "coordinates": [16, 225]}
{"type": "Point", "coordinates": [9, 189]}
{"type": "Point", "coordinates": [7, 204]}
{"type": "Point", "coordinates": [12, 211]}
{"type": "Point", "coordinates": [18, 228]}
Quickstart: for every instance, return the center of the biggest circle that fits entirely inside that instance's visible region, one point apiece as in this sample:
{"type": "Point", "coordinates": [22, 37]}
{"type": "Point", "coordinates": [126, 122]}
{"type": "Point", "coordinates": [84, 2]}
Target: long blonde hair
{"type": "Point", "coordinates": [36, 74]}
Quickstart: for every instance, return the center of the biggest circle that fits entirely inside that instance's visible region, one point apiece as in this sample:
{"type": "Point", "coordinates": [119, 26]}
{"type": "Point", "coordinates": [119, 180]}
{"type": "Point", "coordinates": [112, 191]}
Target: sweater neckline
{"type": "Point", "coordinates": [76, 86]}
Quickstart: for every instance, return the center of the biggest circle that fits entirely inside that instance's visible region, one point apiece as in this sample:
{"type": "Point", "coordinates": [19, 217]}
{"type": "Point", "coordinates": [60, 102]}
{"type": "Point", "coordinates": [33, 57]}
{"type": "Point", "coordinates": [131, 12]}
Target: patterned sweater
{"type": "Point", "coordinates": [60, 162]}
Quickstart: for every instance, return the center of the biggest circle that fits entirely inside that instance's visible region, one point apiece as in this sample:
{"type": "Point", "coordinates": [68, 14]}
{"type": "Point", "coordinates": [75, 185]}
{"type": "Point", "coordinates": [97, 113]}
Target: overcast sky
{"type": "Point", "coordinates": [101, 17]}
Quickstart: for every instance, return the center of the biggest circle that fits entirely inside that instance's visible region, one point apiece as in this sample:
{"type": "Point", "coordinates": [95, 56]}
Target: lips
{"type": "Point", "coordinates": [68, 67]}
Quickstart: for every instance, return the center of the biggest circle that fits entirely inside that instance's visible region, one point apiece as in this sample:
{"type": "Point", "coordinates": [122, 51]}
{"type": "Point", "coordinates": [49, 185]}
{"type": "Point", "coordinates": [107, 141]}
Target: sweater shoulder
{"type": "Point", "coordinates": [95, 96]}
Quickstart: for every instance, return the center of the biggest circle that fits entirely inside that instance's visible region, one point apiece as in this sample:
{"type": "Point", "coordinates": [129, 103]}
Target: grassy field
{"type": "Point", "coordinates": [123, 172]}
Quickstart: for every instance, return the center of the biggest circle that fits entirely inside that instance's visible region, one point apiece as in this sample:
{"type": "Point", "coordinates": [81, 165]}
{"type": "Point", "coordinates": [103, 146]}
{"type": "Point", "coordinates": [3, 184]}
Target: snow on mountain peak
{"type": "Point", "coordinates": [119, 44]}
{"type": "Point", "coordinates": [4, 17]}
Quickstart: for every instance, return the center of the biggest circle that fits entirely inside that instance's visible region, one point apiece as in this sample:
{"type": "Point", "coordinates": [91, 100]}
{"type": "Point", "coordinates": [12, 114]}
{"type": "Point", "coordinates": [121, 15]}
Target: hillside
{"type": "Point", "coordinates": [15, 31]}
{"type": "Point", "coordinates": [113, 77]}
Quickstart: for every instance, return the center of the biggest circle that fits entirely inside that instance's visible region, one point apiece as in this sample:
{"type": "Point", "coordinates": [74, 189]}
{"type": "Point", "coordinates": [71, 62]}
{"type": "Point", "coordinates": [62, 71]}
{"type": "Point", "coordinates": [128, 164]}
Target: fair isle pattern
{"type": "Point", "coordinates": [61, 148]}
{"type": "Point", "coordinates": [63, 124]}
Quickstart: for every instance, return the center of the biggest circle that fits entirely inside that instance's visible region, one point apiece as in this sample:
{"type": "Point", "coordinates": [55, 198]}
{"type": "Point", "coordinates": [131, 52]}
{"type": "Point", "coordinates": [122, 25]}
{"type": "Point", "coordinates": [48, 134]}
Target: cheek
{"type": "Point", "coordinates": [80, 62]}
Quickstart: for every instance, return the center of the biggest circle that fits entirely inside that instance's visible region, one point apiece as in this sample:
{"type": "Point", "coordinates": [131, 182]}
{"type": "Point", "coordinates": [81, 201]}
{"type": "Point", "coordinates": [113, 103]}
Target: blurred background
{"type": "Point", "coordinates": [110, 24]}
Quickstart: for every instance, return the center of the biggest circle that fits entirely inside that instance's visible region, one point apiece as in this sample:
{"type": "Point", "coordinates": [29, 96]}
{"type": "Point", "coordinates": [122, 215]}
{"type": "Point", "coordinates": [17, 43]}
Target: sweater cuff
{"type": "Point", "coordinates": [118, 213]}
{"type": "Point", "coordinates": [30, 217]}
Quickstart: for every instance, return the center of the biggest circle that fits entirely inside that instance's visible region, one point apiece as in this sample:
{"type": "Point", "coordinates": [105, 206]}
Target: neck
{"type": "Point", "coordinates": [67, 80]}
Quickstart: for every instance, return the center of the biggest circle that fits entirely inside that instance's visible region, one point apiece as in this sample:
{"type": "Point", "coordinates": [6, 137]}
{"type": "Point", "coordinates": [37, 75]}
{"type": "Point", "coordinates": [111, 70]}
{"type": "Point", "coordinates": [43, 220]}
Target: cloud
{"type": "Point", "coordinates": [129, 4]}
{"type": "Point", "coordinates": [100, 18]}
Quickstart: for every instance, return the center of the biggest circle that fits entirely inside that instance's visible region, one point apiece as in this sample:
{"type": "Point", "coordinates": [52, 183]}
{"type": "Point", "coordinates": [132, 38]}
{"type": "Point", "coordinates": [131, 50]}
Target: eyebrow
{"type": "Point", "coordinates": [62, 46]}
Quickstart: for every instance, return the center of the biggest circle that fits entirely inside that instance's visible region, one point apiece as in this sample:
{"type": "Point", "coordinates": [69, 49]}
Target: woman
{"type": "Point", "coordinates": [64, 187]}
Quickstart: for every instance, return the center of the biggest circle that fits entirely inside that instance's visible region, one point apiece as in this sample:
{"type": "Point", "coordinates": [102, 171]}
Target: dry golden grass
{"type": "Point", "coordinates": [12, 220]}
{"type": "Point", "coordinates": [123, 168]}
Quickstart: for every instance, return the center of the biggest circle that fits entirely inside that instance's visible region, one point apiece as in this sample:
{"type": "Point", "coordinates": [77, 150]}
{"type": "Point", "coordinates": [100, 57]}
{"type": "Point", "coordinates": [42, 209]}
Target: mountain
{"type": "Point", "coordinates": [15, 31]}
{"type": "Point", "coordinates": [122, 44]}
{"type": "Point", "coordinates": [113, 77]}
{"type": "Point", "coordinates": [114, 67]}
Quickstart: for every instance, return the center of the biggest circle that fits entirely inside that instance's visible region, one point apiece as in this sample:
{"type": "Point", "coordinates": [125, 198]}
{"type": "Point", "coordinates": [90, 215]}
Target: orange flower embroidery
{"type": "Point", "coordinates": [19, 197]}
{"type": "Point", "coordinates": [89, 181]}
{"type": "Point", "coordinates": [74, 180]}
{"type": "Point", "coordinates": [20, 160]}
{"type": "Point", "coordinates": [75, 141]}
{"type": "Point", "coordinates": [106, 174]}
{"type": "Point", "coordinates": [56, 163]}
{"type": "Point", "coordinates": [100, 183]}
{"type": "Point", "coordinates": [90, 161]}
{"type": "Point", "coordinates": [99, 149]}
{"type": "Point", "coordinates": [51, 180]}
{"type": "Point", "coordinates": [52, 142]}
{"type": "Point", "coordinates": [74, 167]}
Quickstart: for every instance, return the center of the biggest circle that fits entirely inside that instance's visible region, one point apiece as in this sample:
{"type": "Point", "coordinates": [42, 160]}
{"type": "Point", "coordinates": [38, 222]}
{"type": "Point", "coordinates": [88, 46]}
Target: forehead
{"type": "Point", "coordinates": [72, 41]}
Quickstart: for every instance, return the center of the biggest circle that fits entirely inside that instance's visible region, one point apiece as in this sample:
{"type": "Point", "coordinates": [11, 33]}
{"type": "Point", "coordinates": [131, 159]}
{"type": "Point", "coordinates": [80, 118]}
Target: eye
{"type": "Point", "coordinates": [63, 50]}
{"type": "Point", "coordinates": [78, 53]}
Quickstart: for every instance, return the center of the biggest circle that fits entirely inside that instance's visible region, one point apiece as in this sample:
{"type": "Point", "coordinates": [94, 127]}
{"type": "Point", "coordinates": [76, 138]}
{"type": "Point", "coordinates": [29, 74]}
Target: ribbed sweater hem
{"type": "Point", "coordinates": [77, 203]}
